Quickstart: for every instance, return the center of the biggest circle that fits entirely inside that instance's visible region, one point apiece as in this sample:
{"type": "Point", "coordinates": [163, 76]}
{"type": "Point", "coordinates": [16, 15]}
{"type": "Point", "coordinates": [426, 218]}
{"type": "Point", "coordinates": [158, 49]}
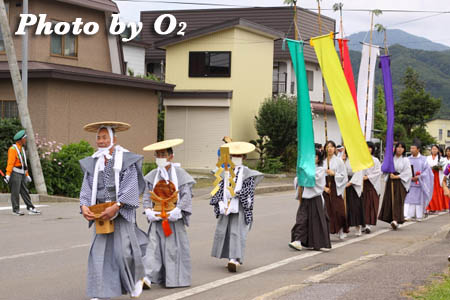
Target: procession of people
{"type": "Point", "coordinates": [123, 259]}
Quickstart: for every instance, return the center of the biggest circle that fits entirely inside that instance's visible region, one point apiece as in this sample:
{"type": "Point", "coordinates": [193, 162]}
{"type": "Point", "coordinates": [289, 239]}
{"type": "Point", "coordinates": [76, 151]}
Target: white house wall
{"type": "Point", "coordinates": [332, 127]}
{"type": "Point", "coordinates": [135, 58]}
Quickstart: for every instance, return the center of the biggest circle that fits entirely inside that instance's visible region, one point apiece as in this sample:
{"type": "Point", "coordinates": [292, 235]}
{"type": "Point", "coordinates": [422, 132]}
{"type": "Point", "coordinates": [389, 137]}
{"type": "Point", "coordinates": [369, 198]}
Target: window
{"type": "Point", "coordinates": [63, 45]}
{"type": "Point", "coordinates": [2, 44]}
{"type": "Point", "coordinates": [440, 134]}
{"type": "Point", "coordinates": [310, 77]}
{"type": "Point", "coordinates": [8, 109]}
{"type": "Point", "coordinates": [209, 64]}
{"type": "Point", "coordinates": [448, 133]}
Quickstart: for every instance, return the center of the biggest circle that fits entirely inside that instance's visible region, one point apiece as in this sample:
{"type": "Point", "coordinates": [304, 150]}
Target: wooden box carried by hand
{"type": "Point", "coordinates": [102, 226]}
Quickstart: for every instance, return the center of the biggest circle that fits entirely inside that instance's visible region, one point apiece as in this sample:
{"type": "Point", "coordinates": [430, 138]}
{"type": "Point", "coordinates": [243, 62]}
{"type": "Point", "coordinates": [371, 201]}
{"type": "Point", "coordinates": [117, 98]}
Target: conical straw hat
{"type": "Point", "coordinates": [117, 126]}
{"type": "Point", "coordinates": [163, 145]}
{"type": "Point", "coordinates": [239, 147]}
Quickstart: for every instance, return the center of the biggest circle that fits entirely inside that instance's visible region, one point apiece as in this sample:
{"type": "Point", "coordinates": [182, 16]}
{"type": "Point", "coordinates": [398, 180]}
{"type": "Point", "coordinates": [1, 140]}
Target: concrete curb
{"type": "Point", "coordinates": [5, 198]}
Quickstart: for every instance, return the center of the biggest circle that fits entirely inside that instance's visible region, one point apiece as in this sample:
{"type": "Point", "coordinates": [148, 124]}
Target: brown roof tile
{"type": "Point", "coordinates": [277, 18]}
{"type": "Point", "coordinates": [103, 5]}
{"type": "Point", "coordinates": [64, 72]}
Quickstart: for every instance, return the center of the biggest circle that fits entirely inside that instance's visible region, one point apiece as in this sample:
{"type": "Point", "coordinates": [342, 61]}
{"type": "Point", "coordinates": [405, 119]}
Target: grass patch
{"type": "Point", "coordinates": [437, 289]}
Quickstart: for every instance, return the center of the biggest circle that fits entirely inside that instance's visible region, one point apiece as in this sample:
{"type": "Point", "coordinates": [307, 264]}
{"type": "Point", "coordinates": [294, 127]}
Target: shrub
{"type": "Point", "coordinates": [147, 167]}
{"type": "Point", "coordinates": [61, 168]}
{"type": "Point", "coordinates": [277, 120]}
{"type": "Point", "coordinates": [271, 166]}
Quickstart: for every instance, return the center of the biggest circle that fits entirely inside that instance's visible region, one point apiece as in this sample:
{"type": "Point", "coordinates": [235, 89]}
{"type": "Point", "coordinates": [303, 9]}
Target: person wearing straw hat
{"type": "Point", "coordinates": [17, 175]}
{"type": "Point", "coordinates": [168, 259]}
{"type": "Point", "coordinates": [235, 214]}
{"type": "Point", "coordinates": [113, 174]}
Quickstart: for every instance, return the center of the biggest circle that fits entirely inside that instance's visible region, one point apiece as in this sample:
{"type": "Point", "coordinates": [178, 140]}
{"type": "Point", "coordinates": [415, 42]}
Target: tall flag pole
{"type": "Point", "coordinates": [306, 167]}
{"type": "Point", "coordinates": [323, 82]}
{"type": "Point", "coordinates": [366, 80]}
{"type": "Point", "coordinates": [342, 100]}
{"type": "Point", "coordinates": [345, 57]}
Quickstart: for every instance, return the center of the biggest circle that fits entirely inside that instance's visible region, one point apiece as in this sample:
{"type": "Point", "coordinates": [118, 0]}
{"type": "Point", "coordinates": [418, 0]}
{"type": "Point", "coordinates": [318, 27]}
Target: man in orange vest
{"type": "Point", "coordinates": [17, 175]}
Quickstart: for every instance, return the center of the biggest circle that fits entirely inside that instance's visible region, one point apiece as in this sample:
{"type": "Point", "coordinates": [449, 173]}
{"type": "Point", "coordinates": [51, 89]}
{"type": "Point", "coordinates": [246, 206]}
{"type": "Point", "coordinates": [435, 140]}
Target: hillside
{"type": "Point", "coordinates": [396, 36]}
{"type": "Point", "coordinates": [433, 68]}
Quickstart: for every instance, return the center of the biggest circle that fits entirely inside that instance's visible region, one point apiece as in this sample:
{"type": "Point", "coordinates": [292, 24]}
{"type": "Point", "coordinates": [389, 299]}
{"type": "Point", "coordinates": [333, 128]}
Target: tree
{"type": "Point", "coordinates": [416, 106]}
{"type": "Point", "coordinates": [277, 120]}
{"type": "Point", "coordinates": [380, 121]}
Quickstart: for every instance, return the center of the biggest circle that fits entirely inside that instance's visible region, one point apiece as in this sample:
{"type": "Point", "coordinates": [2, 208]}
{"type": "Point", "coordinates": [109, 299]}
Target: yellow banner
{"type": "Point", "coordinates": [342, 100]}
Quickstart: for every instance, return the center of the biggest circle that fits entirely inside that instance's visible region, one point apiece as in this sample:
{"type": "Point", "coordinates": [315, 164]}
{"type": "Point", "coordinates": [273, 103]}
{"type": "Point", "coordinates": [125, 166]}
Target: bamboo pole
{"type": "Point", "coordinates": [368, 78]}
{"type": "Point", "coordinates": [24, 114]}
{"type": "Point", "coordinates": [323, 81]}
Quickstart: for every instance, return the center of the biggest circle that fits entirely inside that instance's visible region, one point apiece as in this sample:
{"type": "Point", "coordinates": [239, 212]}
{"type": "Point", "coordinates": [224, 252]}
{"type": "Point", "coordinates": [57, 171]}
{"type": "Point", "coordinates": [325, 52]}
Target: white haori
{"type": "Point", "coordinates": [357, 179]}
{"type": "Point", "coordinates": [403, 167]}
{"type": "Point", "coordinates": [437, 162]}
{"type": "Point", "coordinates": [340, 172]}
{"type": "Point", "coordinates": [374, 174]}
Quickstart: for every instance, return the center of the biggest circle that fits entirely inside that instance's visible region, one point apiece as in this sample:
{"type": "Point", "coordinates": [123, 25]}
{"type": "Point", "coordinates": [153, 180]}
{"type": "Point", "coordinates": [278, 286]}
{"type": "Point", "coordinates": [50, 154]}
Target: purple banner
{"type": "Point", "coordinates": [388, 162]}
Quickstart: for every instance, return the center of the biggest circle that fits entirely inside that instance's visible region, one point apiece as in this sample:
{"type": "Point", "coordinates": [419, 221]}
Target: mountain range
{"type": "Point", "coordinates": [395, 36]}
{"type": "Point", "coordinates": [433, 67]}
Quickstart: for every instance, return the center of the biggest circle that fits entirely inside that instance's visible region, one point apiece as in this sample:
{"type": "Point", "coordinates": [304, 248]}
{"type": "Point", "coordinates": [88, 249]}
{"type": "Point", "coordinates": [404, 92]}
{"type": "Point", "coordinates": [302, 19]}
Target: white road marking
{"type": "Point", "coordinates": [22, 206]}
{"type": "Point", "coordinates": [42, 252]}
{"type": "Point", "coordinates": [214, 284]}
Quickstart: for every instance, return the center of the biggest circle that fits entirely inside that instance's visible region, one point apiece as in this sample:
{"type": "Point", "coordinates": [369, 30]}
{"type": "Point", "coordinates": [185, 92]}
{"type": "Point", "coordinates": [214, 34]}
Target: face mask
{"type": "Point", "coordinates": [236, 160]}
{"type": "Point", "coordinates": [161, 162]}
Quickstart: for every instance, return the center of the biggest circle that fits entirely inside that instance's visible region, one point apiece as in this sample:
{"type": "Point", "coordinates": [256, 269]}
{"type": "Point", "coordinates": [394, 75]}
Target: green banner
{"type": "Point", "coordinates": [306, 154]}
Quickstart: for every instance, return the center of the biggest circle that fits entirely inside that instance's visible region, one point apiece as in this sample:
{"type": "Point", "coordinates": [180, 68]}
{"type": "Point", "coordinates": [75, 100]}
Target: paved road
{"type": "Point", "coordinates": [45, 257]}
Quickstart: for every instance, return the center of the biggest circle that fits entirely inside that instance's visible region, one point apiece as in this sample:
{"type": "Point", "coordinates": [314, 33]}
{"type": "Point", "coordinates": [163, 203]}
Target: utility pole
{"type": "Point", "coordinates": [24, 114]}
{"type": "Point", "coordinates": [25, 56]}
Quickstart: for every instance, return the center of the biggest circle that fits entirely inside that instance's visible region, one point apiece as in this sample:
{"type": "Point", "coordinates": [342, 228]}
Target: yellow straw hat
{"type": "Point", "coordinates": [117, 126]}
{"type": "Point", "coordinates": [239, 147]}
{"type": "Point", "coordinates": [164, 145]}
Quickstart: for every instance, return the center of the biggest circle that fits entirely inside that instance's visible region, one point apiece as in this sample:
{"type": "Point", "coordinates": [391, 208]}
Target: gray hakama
{"type": "Point", "coordinates": [231, 230]}
{"type": "Point", "coordinates": [230, 236]}
{"type": "Point", "coordinates": [115, 261]}
{"type": "Point", "coordinates": [168, 259]}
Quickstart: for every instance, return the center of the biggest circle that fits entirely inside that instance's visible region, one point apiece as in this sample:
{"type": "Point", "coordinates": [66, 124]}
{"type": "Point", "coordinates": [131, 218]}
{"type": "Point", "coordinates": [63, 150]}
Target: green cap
{"type": "Point", "coordinates": [20, 135]}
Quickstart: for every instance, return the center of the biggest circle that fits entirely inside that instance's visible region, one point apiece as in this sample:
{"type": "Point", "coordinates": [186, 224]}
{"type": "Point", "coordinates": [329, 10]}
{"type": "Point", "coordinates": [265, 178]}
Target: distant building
{"type": "Point", "coordinates": [439, 128]}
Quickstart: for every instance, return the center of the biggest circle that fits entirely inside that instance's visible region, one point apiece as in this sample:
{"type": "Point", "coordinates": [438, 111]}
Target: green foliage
{"type": "Point", "coordinates": [433, 67]}
{"type": "Point", "coordinates": [380, 114]}
{"type": "Point", "coordinates": [277, 120]}
{"type": "Point", "coordinates": [62, 171]}
{"type": "Point", "coordinates": [8, 128]}
{"type": "Point", "coordinates": [161, 117]}
{"type": "Point", "coordinates": [260, 145]}
{"type": "Point", "coordinates": [271, 166]}
{"type": "Point", "coordinates": [147, 167]}
{"type": "Point", "coordinates": [423, 136]}
{"type": "Point", "coordinates": [415, 106]}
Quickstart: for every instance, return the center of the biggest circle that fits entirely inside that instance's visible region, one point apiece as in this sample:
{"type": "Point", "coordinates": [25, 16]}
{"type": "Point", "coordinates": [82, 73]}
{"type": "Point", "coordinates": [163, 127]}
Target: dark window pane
{"type": "Point", "coordinates": [310, 77]}
{"type": "Point", "coordinates": [56, 44]}
{"type": "Point", "coordinates": [197, 66]}
{"type": "Point", "coordinates": [8, 109]}
{"type": "Point", "coordinates": [70, 46]}
{"type": "Point", "coordinates": [219, 64]}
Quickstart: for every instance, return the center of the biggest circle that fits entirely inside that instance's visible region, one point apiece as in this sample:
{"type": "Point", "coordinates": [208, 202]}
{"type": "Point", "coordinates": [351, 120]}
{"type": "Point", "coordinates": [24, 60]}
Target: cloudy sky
{"type": "Point", "coordinates": [431, 25]}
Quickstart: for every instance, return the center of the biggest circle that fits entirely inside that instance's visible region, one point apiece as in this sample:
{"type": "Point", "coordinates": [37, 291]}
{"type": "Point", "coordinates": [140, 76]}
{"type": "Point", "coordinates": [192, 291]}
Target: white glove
{"type": "Point", "coordinates": [175, 214]}
{"type": "Point", "coordinates": [151, 215]}
{"type": "Point", "coordinates": [222, 208]}
{"type": "Point", "coordinates": [7, 178]}
{"type": "Point", "coordinates": [29, 179]}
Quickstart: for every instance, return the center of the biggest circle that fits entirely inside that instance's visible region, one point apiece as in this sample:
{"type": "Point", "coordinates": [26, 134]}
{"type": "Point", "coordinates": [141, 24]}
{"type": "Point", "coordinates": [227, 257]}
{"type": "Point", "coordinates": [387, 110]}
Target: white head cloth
{"type": "Point", "coordinates": [103, 153]}
{"type": "Point", "coordinates": [161, 173]}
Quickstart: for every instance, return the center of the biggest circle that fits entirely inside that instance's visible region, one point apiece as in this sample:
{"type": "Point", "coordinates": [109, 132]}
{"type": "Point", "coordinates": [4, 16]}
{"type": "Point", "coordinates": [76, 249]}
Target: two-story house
{"type": "Point", "coordinates": [276, 18]}
{"type": "Point", "coordinates": [222, 73]}
{"type": "Point", "coordinates": [75, 80]}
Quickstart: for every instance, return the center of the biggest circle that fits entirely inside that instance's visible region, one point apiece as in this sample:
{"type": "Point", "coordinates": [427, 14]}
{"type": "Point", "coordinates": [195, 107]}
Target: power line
{"type": "Point", "coordinates": [186, 3]}
{"type": "Point", "coordinates": [313, 9]}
